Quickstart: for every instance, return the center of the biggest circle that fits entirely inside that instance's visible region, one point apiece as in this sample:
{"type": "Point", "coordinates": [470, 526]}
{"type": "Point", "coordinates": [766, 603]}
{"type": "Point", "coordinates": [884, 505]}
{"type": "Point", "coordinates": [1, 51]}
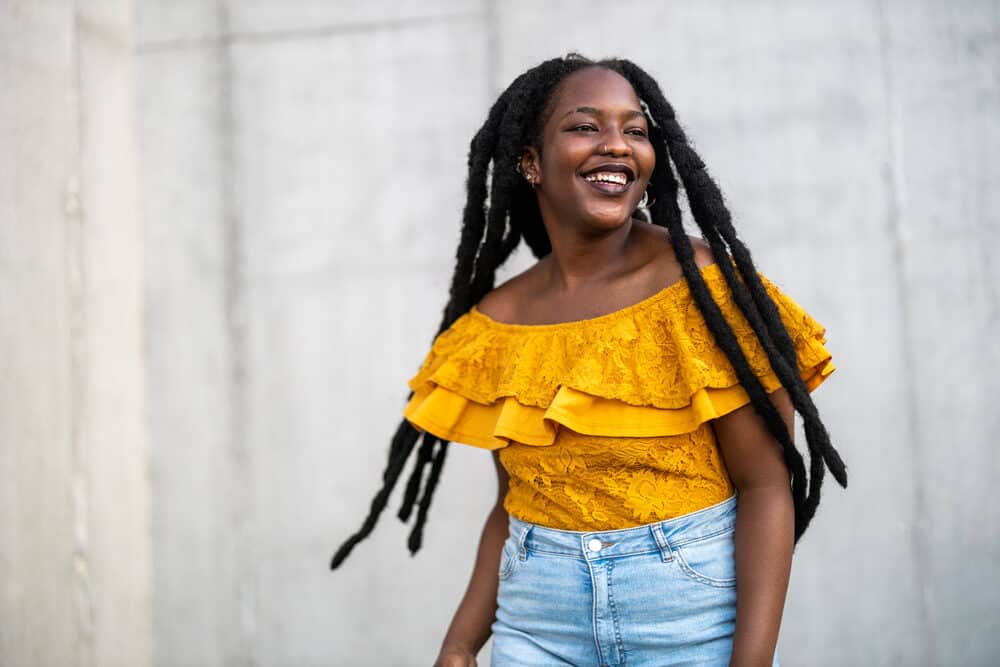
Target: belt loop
{"type": "Point", "coordinates": [666, 552]}
{"type": "Point", "coordinates": [522, 553]}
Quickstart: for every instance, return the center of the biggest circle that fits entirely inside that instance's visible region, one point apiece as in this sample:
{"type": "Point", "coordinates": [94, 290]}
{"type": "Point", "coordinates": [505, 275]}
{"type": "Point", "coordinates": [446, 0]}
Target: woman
{"type": "Point", "coordinates": [637, 387]}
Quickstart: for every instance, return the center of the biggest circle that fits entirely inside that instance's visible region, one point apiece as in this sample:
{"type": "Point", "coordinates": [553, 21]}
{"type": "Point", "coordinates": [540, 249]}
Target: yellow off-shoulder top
{"type": "Point", "coordinates": [604, 423]}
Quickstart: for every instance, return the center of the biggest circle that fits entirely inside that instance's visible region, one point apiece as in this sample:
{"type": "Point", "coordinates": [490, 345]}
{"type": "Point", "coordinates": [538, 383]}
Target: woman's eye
{"type": "Point", "coordinates": [581, 128]}
{"type": "Point", "coordinates": [638, 132]}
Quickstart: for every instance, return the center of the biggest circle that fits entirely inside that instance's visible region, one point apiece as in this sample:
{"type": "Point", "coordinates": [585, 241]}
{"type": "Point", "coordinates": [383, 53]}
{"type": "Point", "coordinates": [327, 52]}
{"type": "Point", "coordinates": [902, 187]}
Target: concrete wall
{"type": "Point", "coordinates": [75, 542]}
{"type": "Point", "coordinates": [303, 170]}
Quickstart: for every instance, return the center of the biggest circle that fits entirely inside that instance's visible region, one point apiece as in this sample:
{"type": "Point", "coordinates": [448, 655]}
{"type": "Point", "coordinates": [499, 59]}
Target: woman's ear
{"type": "Point", "coordinates": [530, 166]}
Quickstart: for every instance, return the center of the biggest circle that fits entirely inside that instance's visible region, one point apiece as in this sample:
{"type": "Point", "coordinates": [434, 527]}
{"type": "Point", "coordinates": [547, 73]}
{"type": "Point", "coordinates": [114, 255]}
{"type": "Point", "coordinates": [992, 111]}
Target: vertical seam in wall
{"type": "Point", "coordinates": [83, 604]}
{"type": "Point", "coordinates": [985, 249]}
{"type": "Point", "coordinates": [893, 179]}
{"type": "Point", "coordinates": [235, 304]}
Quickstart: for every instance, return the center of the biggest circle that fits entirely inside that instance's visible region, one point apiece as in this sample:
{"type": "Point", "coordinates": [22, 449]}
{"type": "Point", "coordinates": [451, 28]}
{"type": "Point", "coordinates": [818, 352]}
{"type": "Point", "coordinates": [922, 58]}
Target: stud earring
{"type": "Point", "coordinates": [528, 176]}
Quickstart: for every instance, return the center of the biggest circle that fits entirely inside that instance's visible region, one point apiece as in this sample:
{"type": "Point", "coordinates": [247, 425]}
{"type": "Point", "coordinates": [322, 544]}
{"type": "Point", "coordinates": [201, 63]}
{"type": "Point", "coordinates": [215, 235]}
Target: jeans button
{"type": "Point", "coordinates": [594, 544]}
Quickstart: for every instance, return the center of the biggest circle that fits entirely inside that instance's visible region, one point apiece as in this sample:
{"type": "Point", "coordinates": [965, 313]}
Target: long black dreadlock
{"type": "Point", "coordinates": [501, 209]}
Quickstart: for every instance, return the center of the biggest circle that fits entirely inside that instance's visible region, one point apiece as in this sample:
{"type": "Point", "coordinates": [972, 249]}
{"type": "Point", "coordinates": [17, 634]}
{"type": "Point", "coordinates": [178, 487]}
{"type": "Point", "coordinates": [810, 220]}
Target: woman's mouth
{"type": "Point", "coordinates": [612, 181]}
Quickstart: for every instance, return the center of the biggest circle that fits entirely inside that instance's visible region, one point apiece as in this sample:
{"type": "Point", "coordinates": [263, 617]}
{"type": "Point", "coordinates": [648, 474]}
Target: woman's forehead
{"type": "Point", "coordinates": [595, 87]}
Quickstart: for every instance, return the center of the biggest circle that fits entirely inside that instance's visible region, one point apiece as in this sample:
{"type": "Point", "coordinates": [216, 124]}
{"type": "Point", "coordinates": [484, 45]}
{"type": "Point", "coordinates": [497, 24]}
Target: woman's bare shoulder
{"type": "Point", "coordinates": [702, 252]}
{"type": "Point", "coordinates": [503, 301]}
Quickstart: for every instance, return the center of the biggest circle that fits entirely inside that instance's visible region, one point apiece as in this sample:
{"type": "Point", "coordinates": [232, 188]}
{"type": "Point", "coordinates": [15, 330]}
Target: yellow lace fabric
{"type": "Point", "coordinates": [604, 423]}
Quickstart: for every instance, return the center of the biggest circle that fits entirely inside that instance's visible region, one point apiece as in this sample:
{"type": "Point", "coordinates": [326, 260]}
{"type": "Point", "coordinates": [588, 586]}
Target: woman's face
{"type": "Point", "coordinates": [596, 158]}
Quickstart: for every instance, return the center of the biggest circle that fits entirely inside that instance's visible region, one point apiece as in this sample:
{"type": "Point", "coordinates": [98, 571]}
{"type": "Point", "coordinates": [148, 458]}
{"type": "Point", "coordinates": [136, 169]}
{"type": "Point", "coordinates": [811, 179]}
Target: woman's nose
{"type": "Point", "coordinates": [614, 144]}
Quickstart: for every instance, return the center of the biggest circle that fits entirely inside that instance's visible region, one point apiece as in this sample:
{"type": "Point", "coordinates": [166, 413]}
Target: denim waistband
{"type": "Point", "coordinates": [662, 536]}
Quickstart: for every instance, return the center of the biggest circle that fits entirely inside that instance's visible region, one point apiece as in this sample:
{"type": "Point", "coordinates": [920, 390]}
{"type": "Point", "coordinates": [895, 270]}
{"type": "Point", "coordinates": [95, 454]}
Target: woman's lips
{"type": "Point", "coordinates": [607, 188]}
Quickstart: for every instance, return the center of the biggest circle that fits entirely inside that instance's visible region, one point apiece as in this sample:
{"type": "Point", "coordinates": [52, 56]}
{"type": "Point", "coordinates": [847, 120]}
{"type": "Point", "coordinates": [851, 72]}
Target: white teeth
{"type": "Point", "coordinates": [608, 177]}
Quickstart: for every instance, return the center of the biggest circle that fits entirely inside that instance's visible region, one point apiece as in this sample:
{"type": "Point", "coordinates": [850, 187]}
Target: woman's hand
{"type": "Point", "coordinates": [455, 657]}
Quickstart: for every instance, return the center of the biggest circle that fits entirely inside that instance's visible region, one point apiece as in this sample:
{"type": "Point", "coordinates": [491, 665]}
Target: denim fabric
{"type": "Point", "coordinates": [654, 595]}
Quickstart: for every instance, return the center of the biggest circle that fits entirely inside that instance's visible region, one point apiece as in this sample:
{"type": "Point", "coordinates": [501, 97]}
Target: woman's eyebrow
{"type": "Point", "coordinates": [632, 113]}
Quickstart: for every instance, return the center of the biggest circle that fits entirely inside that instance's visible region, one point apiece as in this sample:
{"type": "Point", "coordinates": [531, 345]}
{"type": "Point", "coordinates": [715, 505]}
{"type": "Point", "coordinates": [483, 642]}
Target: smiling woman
{"type": "Point", "coordinates": [637, 387]}
{"type": "Point", "coordinates": [598, 158]}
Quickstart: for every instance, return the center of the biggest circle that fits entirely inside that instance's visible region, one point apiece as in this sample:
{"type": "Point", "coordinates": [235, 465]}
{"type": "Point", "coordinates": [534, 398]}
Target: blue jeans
{"type": "Point", "coordinates": [659, 594]}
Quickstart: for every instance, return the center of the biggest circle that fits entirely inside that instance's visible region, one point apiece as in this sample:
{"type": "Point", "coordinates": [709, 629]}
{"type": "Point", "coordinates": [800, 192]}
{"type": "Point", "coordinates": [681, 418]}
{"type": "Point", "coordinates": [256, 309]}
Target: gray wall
{"type": "Point", "coordinates": [75, 538]}
{"type": "Point", "coordinates": [302, 169]}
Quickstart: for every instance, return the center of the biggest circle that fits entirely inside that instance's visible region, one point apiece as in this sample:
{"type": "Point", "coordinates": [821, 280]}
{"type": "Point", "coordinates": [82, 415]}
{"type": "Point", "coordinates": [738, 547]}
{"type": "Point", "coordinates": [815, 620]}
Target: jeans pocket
{"type": "Point", "coordinates": [710, 560]}
{"type": "Point", "coordinates": [508, 558]}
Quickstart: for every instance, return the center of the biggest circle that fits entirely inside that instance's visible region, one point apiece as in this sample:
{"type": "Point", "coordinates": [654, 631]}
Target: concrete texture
{"type": "Point", "coordinates": [191, 382]}
{"type": "Point", "coordinates": [289, 194]}
{"type": "Point", "coordinates": [302, 178]}
{"type": "Point", "coordinates": [75, 538]}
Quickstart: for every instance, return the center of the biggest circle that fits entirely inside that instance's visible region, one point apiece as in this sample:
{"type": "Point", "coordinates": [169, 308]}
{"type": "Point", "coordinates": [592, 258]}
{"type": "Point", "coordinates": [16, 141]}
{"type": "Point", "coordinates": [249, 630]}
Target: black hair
{"type": "Point", "coordinates": [501, 209]}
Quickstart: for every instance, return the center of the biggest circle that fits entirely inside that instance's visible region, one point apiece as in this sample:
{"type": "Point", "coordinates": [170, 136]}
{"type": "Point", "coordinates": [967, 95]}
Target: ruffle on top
{"type": "Point", "coordinates": [650, 369]}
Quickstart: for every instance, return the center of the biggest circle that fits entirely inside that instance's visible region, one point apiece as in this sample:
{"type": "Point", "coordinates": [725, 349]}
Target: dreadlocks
{"type": "Point", "coordinates": [501, 209]}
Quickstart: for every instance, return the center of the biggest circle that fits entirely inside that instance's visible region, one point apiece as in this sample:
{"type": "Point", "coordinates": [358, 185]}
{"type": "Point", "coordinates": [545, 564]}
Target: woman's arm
{"type": "Point", "coordinates": [765, 527]}
{"type": "Point", "coordinates": [470, 627]}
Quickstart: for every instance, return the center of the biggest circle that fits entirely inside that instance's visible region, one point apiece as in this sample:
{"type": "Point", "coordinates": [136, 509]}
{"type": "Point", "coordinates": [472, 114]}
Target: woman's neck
{"type": "Point", "coordinates": [581, 261]}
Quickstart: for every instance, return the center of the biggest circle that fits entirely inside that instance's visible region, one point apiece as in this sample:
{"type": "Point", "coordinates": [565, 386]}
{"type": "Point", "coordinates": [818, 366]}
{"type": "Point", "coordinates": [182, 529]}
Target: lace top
{"type": "Point", "coordinates": [604, 423]}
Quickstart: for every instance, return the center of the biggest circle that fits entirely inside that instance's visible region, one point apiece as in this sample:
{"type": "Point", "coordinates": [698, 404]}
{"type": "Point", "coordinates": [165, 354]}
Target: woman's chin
{"type": "Point", "coordinates": [609, 218]}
